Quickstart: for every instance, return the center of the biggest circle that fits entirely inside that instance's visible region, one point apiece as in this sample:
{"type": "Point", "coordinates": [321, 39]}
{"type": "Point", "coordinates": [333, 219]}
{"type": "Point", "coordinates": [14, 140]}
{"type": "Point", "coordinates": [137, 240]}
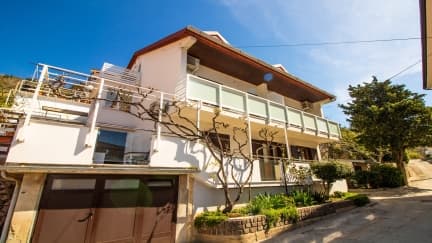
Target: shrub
{"type": "Point", "coordinates": [359, 199]}
{"type": "Point", "coordinates": [209, 219]}
{"type": "Point", "coordinates": [265, 201]}
{"type": "Point", "coordinates": [383, 175]}
{"type": "Point", "coordinates": [272, 216]}
{"type": "Point", "coordinates": [319, 197]}
{"type": "Point", "coordinates": [290, 214]}
{"type": "Point", "coordinates": [329, 173]}
{"type": "Point", "coordinates": [338, 194]}
{"type": "Point", "coordinates": [302, 198]}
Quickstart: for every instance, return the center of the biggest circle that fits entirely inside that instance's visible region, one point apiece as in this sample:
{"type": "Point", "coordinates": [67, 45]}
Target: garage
{"type": "Point", "coordinates": [107, 208]}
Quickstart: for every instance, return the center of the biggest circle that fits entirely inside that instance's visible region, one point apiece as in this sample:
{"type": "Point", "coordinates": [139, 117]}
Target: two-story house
{"type": "Point", "coordinates": [91, 168]}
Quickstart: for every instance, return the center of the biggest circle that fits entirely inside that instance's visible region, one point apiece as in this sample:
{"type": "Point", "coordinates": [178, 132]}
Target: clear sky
{"type": "Point", "coordinates": [82, 34]}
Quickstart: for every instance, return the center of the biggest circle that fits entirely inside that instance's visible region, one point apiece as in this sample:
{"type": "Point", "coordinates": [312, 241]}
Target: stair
{"type": "Point", "coordinates": [8, 124]}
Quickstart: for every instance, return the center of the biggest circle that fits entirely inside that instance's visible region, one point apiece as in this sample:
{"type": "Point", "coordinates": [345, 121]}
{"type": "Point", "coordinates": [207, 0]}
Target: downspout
{"type": "Point", "coordinates": [13, 201]}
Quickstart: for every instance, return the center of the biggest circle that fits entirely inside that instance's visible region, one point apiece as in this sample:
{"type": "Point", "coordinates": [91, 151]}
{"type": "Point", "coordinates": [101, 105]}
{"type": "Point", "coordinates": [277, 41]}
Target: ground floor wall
{"type": "Point", "coordinates": [209, 198]}
{"type": "Point", "coordinates": [26, 223]}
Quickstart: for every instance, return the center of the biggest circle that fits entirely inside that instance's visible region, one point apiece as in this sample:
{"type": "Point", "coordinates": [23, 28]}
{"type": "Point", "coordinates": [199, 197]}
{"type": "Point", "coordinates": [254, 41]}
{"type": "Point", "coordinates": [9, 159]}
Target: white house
{"type": "Point", "coordinates": [90, 170]}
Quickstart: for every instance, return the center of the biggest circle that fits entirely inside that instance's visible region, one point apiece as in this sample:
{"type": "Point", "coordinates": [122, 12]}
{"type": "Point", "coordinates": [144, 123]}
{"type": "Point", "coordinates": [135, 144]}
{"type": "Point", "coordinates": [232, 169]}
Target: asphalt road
{"type": "Point", "coordinates": [396, 215]}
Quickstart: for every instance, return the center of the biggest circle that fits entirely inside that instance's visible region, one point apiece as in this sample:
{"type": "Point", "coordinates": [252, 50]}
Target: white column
{"type": "Point", "coordinates": [318, 152]}
{"type": "Point", "coordinates": [91, 134]}
{"type": "Point", "coordinates": [158, 129]}
{"type": "Point", "coordinates": [33, 104]}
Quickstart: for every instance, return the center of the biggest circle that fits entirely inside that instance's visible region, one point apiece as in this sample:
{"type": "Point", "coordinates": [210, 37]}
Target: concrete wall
{"type": "Point", "coordinates": [51, 143]}
{"type": "Point", "coordinates": [210, 198]}
{"type": "Point", "coordinates": [26, 208]}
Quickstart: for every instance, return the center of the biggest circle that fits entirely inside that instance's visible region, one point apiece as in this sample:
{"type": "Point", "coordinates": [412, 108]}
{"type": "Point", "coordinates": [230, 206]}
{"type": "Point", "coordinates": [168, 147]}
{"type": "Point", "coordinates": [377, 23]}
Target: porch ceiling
{"type": "Point", "coordinates": [249, 71]}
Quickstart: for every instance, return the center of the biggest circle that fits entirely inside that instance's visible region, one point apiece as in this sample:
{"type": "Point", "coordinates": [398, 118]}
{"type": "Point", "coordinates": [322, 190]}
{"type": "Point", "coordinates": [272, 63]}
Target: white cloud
{"type": "Point", "coordinates": [335, 20]}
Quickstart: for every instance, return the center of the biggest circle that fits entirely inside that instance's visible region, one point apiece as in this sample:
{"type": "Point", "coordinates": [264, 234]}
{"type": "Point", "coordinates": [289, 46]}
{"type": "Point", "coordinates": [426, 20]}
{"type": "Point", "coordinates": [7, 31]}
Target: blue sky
{"type": "Point", "coordinates": [82, 34]}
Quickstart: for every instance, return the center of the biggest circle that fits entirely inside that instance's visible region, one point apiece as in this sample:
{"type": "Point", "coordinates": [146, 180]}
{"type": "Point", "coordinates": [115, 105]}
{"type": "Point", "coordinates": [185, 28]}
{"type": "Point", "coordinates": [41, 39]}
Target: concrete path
{"type": "Point", "coordinates": [395, 215]}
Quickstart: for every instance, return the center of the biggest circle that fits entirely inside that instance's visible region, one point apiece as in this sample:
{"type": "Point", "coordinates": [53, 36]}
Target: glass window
{"type": "Point", "coordinates": [73, 184]}
{"type": "Point", "coordinates": [117, 184]}
{"type": "Point", "coordinates": [224, 139]}
{"type": "Point", "coordinates": [303, 153]}
{"type": "Point", "coordinates": [110, 146]}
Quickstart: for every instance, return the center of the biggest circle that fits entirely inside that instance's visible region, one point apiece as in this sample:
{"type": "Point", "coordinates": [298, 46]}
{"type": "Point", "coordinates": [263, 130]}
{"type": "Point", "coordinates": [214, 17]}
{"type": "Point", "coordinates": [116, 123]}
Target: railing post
{"type": "Point", "coordinates": [199, 106]}
{"type": "Point", "coordinates": [268, 111]}
{"type": "Point", "coordinates": [94, 115]}
{"type": "Point", "coordinates": [302, 121]}
{"type": "Point", "coordinates": [219, 96]}
{"type": "Point", "coordinates": [316, 126]}
{"type": "Point", "coordinates": [186, 87]}
{"type": "Point", "coordinates": [328, 128]}
{"type": "Point", "coordinates": [33, 103]}
{"type": "Point", "coordinates": [249, 125]}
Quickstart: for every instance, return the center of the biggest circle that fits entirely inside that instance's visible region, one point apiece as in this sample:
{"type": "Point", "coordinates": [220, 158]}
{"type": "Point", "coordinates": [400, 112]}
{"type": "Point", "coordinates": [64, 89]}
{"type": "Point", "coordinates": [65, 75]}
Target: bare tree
{"type": "Point", "coordinates": [234, 165]}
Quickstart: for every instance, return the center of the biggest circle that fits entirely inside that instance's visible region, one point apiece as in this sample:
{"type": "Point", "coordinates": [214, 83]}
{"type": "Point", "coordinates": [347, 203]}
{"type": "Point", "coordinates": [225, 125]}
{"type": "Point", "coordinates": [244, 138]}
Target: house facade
{"type": "Point", "coordinates": [426, 30]}
{"type": "Point", "coordinates": [112, 156]}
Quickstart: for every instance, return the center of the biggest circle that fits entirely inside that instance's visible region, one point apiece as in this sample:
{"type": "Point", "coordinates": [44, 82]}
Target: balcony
{"type": "Point", "coordinates": [210, 93]}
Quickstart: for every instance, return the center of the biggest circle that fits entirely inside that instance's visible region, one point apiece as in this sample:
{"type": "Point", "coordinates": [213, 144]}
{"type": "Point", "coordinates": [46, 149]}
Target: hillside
{"type": "Point", "coordinates": [8, 81]}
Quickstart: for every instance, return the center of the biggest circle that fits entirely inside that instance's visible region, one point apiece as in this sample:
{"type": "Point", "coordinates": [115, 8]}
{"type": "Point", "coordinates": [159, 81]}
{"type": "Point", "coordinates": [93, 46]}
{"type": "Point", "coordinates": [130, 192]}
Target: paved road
{"type": "Point", "coordinates": [397, 215]}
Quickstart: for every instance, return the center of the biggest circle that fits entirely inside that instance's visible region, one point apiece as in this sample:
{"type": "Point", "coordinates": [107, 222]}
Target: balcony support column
{"type": "Point", "coordinates": [33, 104]}
{"type": "Point", "coordinates": [198, 121]}
{"type": "Point", "coordinates": [318, 152]}
{"type": "Point", "coordinates": [91, 134]}
{"type": "Point", "coordinates": [158, 128]}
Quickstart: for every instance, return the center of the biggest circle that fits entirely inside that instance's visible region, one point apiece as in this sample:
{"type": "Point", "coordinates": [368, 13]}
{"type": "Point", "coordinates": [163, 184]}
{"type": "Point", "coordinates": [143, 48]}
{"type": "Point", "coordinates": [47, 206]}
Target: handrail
{"type": "Point", "coordinates": [268, 103]}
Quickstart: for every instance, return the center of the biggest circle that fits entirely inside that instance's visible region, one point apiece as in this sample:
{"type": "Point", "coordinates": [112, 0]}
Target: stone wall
{"type": "Point", "coordinates": [6, 191]}
{"type": "Point", "coordinates": [253, 228]}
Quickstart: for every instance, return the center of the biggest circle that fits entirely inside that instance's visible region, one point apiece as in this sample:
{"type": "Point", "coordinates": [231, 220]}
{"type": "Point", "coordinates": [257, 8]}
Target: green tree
{"type": "Point", "coordinates": [389, 116]}
{"type": "Point", "coordinates": [346, 148]}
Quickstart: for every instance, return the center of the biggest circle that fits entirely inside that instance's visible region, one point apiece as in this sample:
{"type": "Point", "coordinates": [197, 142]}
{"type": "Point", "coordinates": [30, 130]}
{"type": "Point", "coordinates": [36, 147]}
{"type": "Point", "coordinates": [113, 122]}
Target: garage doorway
{"type": "Point", "coordinates": [107, 208]}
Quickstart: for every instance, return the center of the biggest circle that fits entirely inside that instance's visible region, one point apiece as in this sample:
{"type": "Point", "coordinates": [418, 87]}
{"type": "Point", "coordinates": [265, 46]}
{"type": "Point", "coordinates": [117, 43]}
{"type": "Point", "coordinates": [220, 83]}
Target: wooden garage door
{"type": "Point", "coordinates": [107, 209]}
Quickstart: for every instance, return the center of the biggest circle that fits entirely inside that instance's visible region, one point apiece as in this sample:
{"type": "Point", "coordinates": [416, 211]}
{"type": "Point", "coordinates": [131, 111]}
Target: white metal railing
{"type": "Point", "coordinates": [200, 89]}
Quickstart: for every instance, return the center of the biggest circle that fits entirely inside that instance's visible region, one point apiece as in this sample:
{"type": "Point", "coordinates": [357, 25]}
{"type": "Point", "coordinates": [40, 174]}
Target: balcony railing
{"type": "Point", "coordinates": [196, 88]}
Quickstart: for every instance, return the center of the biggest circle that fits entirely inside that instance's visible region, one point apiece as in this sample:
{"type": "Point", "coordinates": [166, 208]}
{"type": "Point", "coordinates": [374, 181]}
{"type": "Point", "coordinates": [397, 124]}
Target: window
{"type": "Point", "coordinates": [303, 153]}
{"type": "Point", "coordinates": [268, 158]}
{"type": "Point", "coordinates": [224, 138]}
{"type": "Point", "coordinates": [110, 146]}
{"type": "Point", "coordinates": [118, 99]}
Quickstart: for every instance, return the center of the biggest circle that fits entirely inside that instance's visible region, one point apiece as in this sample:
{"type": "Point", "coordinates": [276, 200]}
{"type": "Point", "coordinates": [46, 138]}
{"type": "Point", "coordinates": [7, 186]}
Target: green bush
{"type": "Point", "coordinates": [209, 219]}
{"type": "Point", "coordinates": [290, 214]}
{"type": "Point", "coordinates": [380, 175]}
{"type": "Point", "coordinates": [338, 194]}
{"type": "Point", "coordinates": [330, 172]}
{"type": "Point", "coordinates": [272, 216]}
{"type": "Point", "coordinates": [359, 199]}
{"type": "Point", "coordinates": [302, 198]}
{"type": "Point", "coordinates": [383, 175]}
{"type": "Point", "coordinates": [319, 197]}
{"type": "Point", "coordinates": [265, 201]}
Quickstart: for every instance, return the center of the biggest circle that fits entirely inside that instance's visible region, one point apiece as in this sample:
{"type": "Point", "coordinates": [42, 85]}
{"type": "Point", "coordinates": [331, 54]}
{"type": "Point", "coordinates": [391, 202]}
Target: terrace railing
{"type": "Point", "coordinates": [196, 88]}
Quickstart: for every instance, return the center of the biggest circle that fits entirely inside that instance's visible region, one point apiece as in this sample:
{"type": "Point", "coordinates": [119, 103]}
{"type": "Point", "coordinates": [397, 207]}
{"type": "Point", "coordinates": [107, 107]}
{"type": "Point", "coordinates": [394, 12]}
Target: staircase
{"type": "Point", "coordinates": [8, 124]}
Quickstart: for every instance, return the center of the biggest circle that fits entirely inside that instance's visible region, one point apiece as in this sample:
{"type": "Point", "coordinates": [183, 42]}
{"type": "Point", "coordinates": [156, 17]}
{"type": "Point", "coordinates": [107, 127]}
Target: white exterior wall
{"type": "Point", "coordinates": [176, 152]}
{"type": "Point", "coordinates": [224, 79]}
{"type": "Point", "coordinates": [52, 143]}
{"type": "Point", "coordinates": [163, 68]}
{"type": "Point", "coordinates": [208, 198]}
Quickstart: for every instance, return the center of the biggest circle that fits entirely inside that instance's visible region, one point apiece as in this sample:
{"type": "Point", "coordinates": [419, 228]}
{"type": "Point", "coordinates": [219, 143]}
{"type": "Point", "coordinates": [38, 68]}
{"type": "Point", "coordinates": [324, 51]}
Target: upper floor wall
{"type": "Point", "coordinates": [165, 69]}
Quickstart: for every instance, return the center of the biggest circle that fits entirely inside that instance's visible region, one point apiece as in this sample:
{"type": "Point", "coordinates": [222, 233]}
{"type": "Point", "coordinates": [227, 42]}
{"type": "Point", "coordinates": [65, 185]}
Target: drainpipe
{"type": "Point", "coordinates": [13, 201]}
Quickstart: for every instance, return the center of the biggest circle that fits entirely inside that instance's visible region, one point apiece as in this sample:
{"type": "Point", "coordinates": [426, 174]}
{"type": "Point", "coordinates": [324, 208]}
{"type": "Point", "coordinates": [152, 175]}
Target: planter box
{"type": "Point", "coordinates": [252, 228]}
